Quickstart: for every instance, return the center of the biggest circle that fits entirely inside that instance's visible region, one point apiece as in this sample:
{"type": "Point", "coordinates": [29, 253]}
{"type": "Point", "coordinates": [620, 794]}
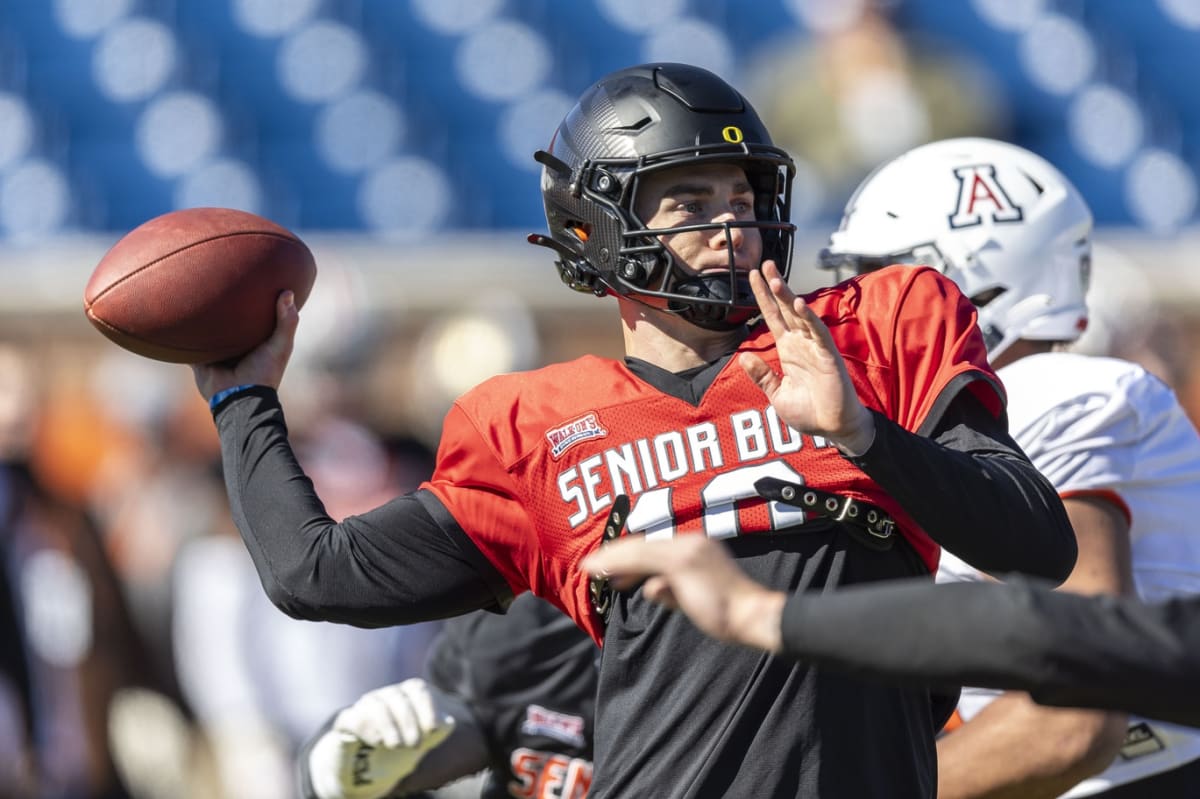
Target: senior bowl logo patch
{"type": "Point", "coordinates": [563, 437]}
{"type": "Point", "coordinates": [559, 726]}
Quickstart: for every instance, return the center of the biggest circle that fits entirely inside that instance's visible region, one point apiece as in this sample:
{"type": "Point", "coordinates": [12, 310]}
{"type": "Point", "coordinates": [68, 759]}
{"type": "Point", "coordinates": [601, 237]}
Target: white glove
{"type": "Point", "coordinates": [378, 741]}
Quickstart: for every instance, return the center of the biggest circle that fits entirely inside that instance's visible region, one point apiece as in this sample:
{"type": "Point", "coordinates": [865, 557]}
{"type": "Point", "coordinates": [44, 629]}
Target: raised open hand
{"type": "Point", "coordinates": [814, 394]}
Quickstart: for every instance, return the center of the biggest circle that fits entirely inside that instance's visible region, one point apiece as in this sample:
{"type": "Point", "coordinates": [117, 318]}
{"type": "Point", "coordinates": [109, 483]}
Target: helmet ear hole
{"type": "Point", "coordinates": [986, 296]}
{"type": "Point", "coordinates": [637, 270]}
{"type": "Point", "coordinates": [579, 231]}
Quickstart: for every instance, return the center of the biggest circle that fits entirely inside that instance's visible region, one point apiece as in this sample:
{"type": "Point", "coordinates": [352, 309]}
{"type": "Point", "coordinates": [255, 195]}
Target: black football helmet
{"type": "Point", "coordinates": [640, 120]}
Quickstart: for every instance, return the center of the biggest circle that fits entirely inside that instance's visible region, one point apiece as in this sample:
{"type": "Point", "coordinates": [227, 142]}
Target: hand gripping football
{"type": "Point", "coordinates": [197, 285]}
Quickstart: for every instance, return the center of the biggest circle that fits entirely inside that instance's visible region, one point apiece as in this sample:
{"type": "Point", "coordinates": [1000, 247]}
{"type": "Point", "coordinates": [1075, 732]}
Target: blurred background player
{"type": "Point", "coordinates": [1014, 234]}
{"type": "Point", "coordinates": [72, 647]}
{"type": "Point", "coordinates": [519, 689]}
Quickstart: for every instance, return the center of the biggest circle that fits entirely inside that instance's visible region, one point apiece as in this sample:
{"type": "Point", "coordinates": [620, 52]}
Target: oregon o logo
{"type": "Point", "coordinates": [732, 134]}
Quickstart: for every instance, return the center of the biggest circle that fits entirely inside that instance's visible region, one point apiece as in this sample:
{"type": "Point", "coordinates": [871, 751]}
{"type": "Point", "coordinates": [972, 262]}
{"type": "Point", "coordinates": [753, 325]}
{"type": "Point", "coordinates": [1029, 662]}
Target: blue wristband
{"type": "Point", "coordinates": [225, 393]}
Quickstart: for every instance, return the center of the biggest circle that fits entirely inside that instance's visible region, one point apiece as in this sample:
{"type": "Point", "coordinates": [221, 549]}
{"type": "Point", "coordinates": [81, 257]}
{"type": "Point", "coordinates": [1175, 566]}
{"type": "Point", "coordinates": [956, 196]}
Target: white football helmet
{"type": "Point", "coordinates": [998, 220]}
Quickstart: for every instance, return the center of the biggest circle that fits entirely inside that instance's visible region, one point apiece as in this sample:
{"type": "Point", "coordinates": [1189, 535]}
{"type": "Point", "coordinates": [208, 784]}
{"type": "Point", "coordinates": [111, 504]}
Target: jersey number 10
{"type": "Point", "coordinates": [728, 506]}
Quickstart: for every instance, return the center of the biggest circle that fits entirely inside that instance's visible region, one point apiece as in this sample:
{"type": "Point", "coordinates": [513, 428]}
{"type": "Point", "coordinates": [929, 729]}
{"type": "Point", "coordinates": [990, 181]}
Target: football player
{"type": "Point", "coordinates": [840, 440]}
{"type": "Point", "coordinates": [513, 694]}
{"type": "Point", "coordinates": [1015, 235]}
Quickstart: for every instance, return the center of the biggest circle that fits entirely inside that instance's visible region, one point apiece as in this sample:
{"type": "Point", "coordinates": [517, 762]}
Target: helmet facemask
{"type": "Point", "coordinates": [718, 301]}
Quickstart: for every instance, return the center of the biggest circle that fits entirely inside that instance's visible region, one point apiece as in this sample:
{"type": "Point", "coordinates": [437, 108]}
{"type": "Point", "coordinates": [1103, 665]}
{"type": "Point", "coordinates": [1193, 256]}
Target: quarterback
{"type": "Point", "coordinates": [1014, 234]}
{"type": "Point", "coordinates": [841, 439]}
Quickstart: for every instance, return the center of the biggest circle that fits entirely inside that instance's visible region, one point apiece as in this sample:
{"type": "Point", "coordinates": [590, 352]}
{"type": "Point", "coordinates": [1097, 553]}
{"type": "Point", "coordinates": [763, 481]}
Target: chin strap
{"type": "Point", "coordinates": [572, 268]}
{"type": "Point", "coordinates": [720, 315]}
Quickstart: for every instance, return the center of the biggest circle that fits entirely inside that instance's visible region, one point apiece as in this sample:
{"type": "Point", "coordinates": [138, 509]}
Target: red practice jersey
{"type": "Point", "coordinates": [530, 463]}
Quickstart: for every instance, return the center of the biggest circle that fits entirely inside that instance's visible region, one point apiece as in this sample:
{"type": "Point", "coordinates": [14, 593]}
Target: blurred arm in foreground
{"type": "Point", "coordinates": [1066, 650]}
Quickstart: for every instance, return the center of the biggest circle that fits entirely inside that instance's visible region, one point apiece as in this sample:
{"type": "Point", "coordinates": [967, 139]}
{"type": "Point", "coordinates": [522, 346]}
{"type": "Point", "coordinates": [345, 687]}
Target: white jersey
{"type": "Point", "coordinates": [1103, 426]}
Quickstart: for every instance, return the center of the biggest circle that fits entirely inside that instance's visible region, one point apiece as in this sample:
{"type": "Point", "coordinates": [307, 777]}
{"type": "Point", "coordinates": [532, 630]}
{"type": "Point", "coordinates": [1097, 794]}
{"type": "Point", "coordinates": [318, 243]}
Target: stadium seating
{"type": "Point", "coordinates": [308, 111]}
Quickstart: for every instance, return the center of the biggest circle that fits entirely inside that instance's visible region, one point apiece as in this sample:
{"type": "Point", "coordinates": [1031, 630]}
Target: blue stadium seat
{"type": "Point", "coordinates": [129, 194]}
{"type": "Point", "coordinates": [1141, 50]}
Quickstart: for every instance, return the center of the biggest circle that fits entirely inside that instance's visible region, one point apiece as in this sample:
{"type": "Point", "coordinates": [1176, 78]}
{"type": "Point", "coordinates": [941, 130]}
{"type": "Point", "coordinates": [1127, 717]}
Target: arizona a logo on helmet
{"type": "Point", "coordinates": [980, 194]}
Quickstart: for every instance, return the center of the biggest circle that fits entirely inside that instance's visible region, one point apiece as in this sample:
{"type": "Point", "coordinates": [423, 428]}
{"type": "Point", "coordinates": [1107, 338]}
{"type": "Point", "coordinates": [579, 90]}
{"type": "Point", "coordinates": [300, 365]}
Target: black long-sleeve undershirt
{"type": "Point", "coordinates": [974, 492]}
{"type": "Point", "coordinates": [408, 560]}
{"type": "Point", "coordinates": [396, 564]}
{"type": "Point", "coordinates": [1065, 649]}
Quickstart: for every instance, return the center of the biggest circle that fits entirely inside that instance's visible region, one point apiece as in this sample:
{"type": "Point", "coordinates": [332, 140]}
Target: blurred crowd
{"type": "Point", "coordinates": [148, 661]}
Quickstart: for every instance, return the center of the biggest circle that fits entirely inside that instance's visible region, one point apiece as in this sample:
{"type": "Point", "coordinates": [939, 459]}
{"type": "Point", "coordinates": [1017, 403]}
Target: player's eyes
{"type": "Point", "coordinates": [701, 206]}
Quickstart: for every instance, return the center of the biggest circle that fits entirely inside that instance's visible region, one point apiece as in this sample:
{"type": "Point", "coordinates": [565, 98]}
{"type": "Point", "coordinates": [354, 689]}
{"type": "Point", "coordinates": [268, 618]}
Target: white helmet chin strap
{"type": "Point", "coordinates": [999, 338]}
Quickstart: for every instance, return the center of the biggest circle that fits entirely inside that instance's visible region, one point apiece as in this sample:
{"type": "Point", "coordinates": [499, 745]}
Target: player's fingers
{"type": "Point", "coordinates": [371, 719]}
{"type": "Point", "coordinates": [417, 694]}
{"type": "Point", "coordinates": [287, 315]}
{"type": "Point", "coordinates": [768, 306]}
{"type": "Point", "coordinates": [658, 589]}
{"type": "Point", "coordinates": [387, 721]}
{"type": "Point", "coordinates": [815, 329]}
{"type": "Point", "coordinates": [781, 292]}
{"type": "Point", "coordinates": [627, 559]}
{"type": "Point", "coordinates": [770, 272]}
{"type": "Point", "coordinates": [758, 371]}
{"type": "Point", "coordinates": [770, 269]}
{"type": "Point", "coordinates": [359, 720]}
{"type": "Point", "coordinates": [278, 348]}
{"type": "Point", "coordinates": [808, 321]}
{"type": "Point", "coordinates": [403, 727]}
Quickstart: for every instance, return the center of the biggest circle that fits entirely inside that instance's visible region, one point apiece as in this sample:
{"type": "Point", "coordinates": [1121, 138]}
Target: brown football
{"type": "Point", "coordinates": [197, 285]}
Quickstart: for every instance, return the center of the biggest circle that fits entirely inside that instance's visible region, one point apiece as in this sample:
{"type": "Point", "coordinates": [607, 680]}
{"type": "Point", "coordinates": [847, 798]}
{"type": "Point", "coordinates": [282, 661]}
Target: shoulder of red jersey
{"type": "Point", "coordinates": [909, 327]}
{"type": "Point", "coordinates": [881, 293]}
{"type": "Point", "coordinates": [517, 412]}
{"type": "Point", "coordinates": [503, 389]}
{"type": "Point", "coordinates": [552, 390]}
